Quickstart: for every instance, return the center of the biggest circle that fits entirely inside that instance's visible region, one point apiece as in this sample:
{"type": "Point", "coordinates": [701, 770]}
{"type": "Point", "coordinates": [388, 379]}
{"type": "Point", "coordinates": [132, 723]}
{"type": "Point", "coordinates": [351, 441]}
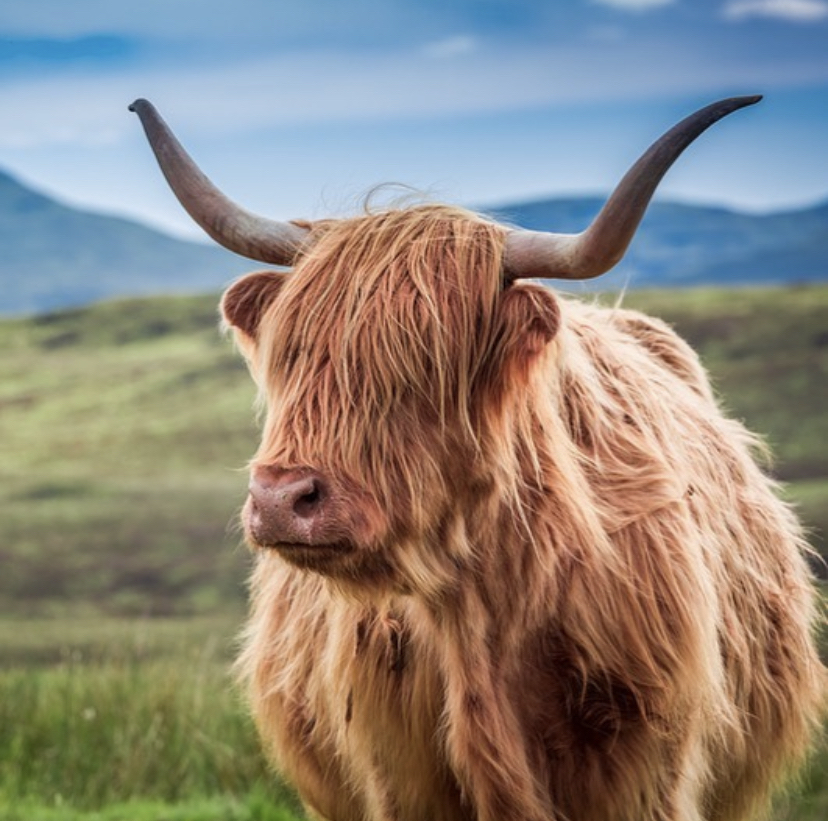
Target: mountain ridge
{"type": "Point", "coordinates": [688, 245]}
{"type": "Point", "coordinates": [56, 256]}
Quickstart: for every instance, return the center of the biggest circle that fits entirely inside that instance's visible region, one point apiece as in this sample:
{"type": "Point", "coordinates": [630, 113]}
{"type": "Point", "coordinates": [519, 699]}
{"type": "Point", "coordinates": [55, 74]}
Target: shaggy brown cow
{"type": "Point", "coordinates": [512, 562]}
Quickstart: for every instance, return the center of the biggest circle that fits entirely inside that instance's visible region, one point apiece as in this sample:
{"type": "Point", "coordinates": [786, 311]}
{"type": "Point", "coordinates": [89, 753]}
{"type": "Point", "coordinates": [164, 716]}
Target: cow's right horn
{"type": "Point", "coordinates": [597, 249]}
{"type": "Point", "coordinates": [228, 224]}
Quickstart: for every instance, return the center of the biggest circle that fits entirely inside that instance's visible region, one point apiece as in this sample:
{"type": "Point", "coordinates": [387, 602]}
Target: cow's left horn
{"type": "Point", "coordinates": [593, 252]}
{"type": "Point", "coordinates": [228, 224]}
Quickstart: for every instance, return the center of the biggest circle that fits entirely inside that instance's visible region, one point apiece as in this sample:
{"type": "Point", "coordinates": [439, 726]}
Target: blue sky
{"type": "Point", "coordinates": [299, 107]}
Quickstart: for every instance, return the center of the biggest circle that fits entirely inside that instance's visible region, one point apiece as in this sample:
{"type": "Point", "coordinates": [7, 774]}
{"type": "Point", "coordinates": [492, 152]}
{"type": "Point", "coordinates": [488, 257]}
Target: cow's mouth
{"type": "Point", "coordinates": [310, 555]}
{"type": "Point", "coordinates": [332, 547]}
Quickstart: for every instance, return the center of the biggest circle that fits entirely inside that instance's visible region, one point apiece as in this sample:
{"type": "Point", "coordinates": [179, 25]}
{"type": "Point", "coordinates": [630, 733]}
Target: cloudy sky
{"type": "Point", "coordinates": [299, 107]}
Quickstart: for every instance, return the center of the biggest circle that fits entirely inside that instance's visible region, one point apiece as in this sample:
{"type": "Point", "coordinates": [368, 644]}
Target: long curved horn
{"type": "Point", "coordinates": [531, 254]}
{"type": "Point", "coordinates": [227, 223]}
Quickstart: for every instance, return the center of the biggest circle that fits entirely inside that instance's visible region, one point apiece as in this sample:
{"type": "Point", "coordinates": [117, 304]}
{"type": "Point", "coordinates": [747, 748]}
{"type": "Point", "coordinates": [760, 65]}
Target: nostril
{"type": "Point", "coordinates": [289, 506]}
{"type": "Point", "coordinates": [307, 504]}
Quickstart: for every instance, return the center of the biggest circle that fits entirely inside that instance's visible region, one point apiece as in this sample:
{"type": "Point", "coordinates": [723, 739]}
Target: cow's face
{"type": "Point", "coordinates": [384, 359]}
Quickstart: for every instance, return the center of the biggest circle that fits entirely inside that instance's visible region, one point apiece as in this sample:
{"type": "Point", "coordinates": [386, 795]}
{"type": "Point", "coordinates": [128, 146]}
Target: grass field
{"type": "Point", "coordinates": [125, 431]}
{"type": "Point", "coordinates": [125, 428]}
{"type": "Point", "coordinates": [132, 719]}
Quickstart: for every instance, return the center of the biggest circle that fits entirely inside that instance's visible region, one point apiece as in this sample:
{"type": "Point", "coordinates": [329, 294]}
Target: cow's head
{"type": "Point", "coordinates": [381, 358]}
{"type": "Point", "coordinates": [390, 355]}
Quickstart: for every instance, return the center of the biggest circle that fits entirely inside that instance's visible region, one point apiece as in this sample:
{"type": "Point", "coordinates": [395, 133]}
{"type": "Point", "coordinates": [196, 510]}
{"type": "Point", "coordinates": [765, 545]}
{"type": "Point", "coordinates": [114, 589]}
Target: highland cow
{"type": "Point", "coordinates": [512, 562]}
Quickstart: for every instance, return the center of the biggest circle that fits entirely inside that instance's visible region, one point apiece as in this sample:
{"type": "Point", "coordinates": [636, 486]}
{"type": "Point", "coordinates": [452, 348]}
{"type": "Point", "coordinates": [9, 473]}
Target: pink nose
{"type": "Point", "coordinates": [289, 507]}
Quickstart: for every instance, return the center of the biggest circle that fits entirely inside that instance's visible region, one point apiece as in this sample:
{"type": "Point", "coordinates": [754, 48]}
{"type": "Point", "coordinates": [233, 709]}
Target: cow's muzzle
{"type": "Point", "coordinates": [296, 511]}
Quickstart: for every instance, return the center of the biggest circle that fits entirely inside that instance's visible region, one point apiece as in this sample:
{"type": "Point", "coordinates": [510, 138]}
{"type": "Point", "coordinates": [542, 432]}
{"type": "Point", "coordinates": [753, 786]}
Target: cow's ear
{"type": "Point", "coordinates": [246, 300]}
{"type": "Point", "coordinates": [528, 319]}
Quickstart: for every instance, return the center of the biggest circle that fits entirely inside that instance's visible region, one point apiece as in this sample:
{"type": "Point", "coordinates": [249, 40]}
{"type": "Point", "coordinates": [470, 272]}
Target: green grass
{"type": "Point", "coordinates": [810, 803]}
{"type": "Point", "coordinates": [254, 807]}
{"type": "Point", "coordinates": [109, 719]}
{"type": "Point", "coordinates": [126, 428]}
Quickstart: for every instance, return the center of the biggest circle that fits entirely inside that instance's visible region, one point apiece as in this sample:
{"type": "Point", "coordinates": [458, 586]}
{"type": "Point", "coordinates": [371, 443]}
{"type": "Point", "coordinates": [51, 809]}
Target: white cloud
{"type": "Point", "coordinates": [797, 11]}
{"type": "Point", "coordinates": [635, 5]}
{"type": "Point", "coordinates": [296, 88]}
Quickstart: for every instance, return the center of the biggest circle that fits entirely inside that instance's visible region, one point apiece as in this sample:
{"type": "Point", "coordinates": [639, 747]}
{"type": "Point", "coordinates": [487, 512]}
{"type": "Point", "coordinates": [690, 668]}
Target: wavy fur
{"type": "Point", "coordinates": [575, 595]}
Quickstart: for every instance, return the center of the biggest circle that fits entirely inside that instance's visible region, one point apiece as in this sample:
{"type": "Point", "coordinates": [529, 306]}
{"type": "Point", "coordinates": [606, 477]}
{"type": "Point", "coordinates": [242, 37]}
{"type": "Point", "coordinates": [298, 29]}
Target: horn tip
{"type": "Point", "coordinates": [139, 104]}
{"type": "Point", "coordinates": [749, 99]}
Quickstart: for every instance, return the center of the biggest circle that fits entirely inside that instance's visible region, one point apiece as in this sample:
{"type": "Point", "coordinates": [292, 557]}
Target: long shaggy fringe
{"type": "Point", "coordinates": [585, 600]}
{"type": "Point", "coordinates": [375, 381]}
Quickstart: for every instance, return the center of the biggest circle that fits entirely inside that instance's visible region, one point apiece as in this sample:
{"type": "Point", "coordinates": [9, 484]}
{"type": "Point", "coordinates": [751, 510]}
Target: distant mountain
{"type": "Point", "coordinates": [687, 245]}
{"type": "Point", "coordinates": [54, 256]}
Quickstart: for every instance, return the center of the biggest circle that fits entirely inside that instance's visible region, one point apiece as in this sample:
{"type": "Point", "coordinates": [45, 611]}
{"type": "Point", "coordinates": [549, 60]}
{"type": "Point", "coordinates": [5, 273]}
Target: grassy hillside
{"type": "Point", "coordinates": [126, 427]}
{"type": "Point", "coordinates": [125, 430]}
